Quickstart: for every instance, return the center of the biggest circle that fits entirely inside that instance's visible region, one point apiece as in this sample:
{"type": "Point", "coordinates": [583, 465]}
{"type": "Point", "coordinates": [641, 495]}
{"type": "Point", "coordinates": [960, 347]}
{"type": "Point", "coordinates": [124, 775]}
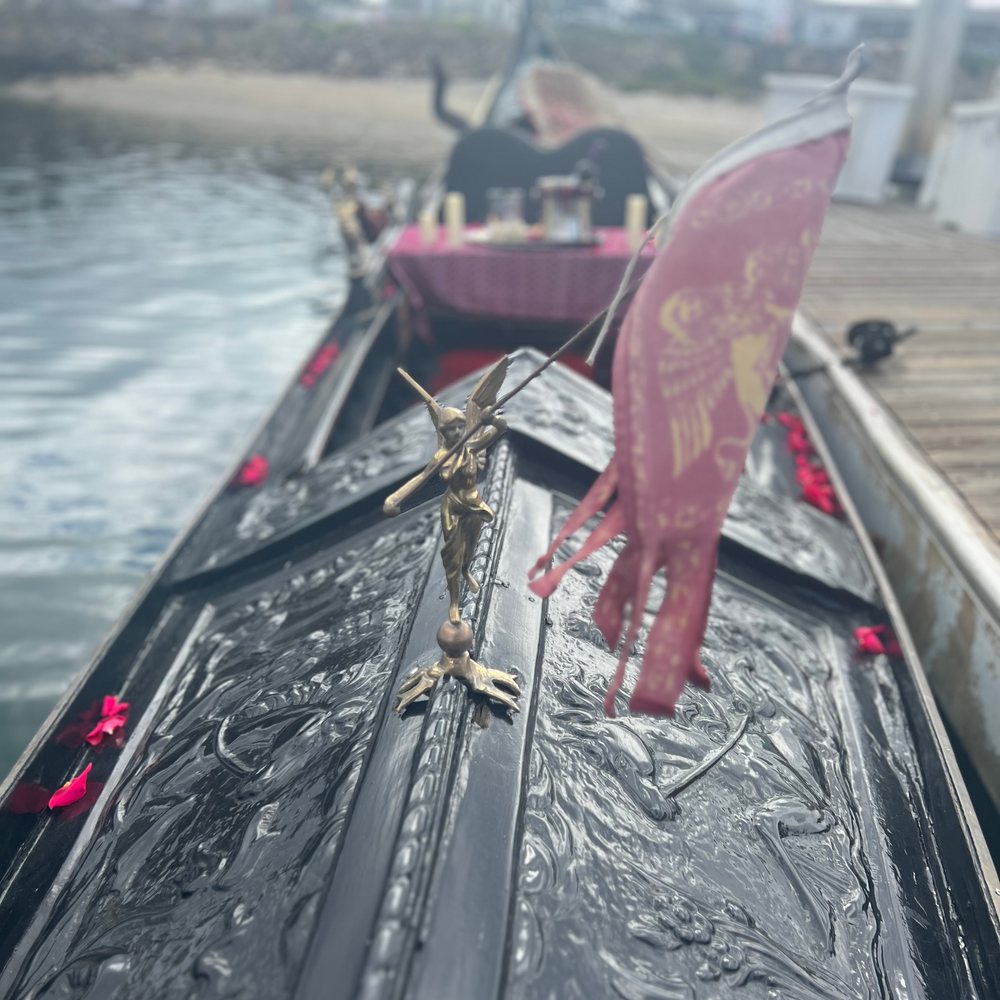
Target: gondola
{"type": "Point", "coordinates": [267, 825]}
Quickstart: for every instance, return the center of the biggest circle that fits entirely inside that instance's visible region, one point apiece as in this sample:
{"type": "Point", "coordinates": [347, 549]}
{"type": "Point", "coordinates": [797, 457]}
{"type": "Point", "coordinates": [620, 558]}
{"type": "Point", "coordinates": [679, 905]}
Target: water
{"type": "Point", "coordinates": [155, 294]}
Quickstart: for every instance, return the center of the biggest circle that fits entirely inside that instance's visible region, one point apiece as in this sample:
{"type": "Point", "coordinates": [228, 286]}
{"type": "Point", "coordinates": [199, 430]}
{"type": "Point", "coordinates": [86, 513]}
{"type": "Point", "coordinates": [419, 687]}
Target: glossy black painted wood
{"type": "Point", "coordinates": [563, 411]}
{"type": "Point", "coordinates": [566, 414]}
{"type": "Point", "coordinates": [273, 829]}
{"type": "Point", "coordinates": [208, 854]}
{"type": "Point", "coordinates": [477, 860]}
{"type": "Point", "coordinates": [33, 847]}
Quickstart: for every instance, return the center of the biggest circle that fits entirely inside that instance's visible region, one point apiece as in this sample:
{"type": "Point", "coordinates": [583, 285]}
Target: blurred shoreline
{"type": "Point", "coordinates": [387, 123]}
{"type": "Point", "coordinates": [47, 38]}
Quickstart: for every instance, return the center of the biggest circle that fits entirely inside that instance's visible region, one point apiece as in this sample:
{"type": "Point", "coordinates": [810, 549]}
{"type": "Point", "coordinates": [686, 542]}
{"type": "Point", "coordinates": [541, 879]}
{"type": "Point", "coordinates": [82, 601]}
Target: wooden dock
{"type": "Point", "coordinates": [893, 262]}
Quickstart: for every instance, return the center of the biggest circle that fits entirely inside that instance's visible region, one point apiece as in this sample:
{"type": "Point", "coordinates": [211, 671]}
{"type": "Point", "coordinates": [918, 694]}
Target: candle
{"type": "Point", "coordinates": [454, 217]}
{"type": "Point", "coordinates": [636, 213]}
{"type": "Point", "coordinates": [428, 228]}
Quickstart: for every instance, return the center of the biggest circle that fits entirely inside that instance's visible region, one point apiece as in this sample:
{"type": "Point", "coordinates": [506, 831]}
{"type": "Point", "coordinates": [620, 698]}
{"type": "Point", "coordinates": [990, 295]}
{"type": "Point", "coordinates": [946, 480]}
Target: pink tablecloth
{"type": "Point", "coordinates": [556, 284]}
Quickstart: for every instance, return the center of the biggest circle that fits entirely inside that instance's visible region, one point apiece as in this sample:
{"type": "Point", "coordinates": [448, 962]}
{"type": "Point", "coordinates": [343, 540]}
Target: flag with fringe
{"type": "Point", "coordinates": [695, 361]}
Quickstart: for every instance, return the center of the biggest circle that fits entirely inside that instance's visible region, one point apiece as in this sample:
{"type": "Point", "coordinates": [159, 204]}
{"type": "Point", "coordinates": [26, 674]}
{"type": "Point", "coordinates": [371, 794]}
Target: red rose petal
{"type": "Point", "coordinates": [72, 791]}
{"type": "Point", "coordinates": [798, 442]}
{"type": "Point", "coordinates": [321, 360]}
{"type": "Point", "coordinates": [819, 496]}
{"type": "Point", "coordinates": [83, 803]}
{"type": "Point", "coordinates": [253, 472]}
{"type": "Point", "coordinates": [112, 706]}
{"type": "Point", "coordinates": [104, 727]}
{"type": "Point", "coordinates": [811, 477]}
{"type": "Point", "coordinates": [110, 741]}
{"type": "Point", "coordinates": [878, 639]}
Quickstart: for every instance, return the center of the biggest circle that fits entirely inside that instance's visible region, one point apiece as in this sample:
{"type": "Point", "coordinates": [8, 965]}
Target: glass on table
{"type": "Point", "coordinates": [505, 213]}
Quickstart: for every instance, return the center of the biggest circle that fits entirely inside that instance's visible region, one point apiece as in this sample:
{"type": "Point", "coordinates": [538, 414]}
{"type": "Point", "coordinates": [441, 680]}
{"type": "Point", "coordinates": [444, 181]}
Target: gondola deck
{"type": "Point", "coordinates": [271, 828]}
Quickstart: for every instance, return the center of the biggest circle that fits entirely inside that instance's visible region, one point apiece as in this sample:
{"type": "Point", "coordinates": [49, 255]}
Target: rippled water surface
{"type": "Point", "coordinates": [155, 294]}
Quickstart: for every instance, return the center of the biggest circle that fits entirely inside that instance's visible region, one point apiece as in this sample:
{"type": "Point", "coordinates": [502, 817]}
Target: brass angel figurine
{"type": "Point", "coordinates": [463, 514]}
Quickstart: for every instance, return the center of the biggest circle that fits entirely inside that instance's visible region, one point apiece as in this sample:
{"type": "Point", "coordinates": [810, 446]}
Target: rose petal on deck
{"type": "Point", "coordinates": [867, 638]}
{"type": "Point", "coordinates": [72, 791]}
{"type": "Point", "coordinates": [105, 726]}
{"type": "Point", "coordinates": [82, 804]}
{"type": "Point", "coordinates": [112, 706]}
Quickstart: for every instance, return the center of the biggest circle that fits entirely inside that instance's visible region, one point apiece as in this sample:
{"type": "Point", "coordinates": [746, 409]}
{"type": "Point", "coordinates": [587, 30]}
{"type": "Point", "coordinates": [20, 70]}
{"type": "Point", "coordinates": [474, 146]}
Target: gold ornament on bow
{"type": "Point", "coordinates": [463, 514]}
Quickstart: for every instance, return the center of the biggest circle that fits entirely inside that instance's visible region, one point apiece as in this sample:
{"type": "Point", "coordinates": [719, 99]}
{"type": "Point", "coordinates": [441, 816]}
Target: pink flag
{"type": "Point", "coordinates": [694, 364]}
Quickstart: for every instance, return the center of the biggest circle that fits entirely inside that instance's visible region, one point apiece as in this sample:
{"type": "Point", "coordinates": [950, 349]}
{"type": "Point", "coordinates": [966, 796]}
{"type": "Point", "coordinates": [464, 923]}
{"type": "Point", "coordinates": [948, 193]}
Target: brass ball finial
{"type": "Point", "coordinates": [455, 640]}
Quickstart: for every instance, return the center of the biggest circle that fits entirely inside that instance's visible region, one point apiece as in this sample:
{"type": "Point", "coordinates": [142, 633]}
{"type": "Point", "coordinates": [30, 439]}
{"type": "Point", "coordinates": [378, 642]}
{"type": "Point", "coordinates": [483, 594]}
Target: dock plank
{"type": "Point", "coordinates": [893, 262]}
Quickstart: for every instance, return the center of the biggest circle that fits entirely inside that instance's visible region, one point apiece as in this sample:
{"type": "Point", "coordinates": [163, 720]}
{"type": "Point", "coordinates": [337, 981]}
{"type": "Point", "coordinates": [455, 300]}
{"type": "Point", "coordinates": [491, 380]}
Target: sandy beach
{"type": "Point", "coordinates": [384, 121]}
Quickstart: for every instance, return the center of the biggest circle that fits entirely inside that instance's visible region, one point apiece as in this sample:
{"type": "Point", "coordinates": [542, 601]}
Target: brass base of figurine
{"type": "Point", "coordinates": [455, 642]}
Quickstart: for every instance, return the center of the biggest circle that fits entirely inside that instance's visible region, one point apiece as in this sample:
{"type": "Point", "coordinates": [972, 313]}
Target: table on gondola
{"type": "Point", "coordinates": [547, 283]}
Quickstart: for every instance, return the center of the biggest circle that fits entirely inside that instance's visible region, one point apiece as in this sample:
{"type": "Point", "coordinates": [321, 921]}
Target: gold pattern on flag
{"type": "Point", "coordinates": [721, 335]}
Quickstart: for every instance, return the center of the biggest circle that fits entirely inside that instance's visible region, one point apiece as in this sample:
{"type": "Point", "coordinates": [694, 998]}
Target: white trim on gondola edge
{"type": "Point", "coordinates": [964, 541]}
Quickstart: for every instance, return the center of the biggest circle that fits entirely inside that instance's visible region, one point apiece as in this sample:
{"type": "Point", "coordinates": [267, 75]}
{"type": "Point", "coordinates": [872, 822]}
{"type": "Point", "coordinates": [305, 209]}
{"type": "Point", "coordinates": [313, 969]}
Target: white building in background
{"type": "Point", "coordinates": [828, 25]}
{"type": "Point", "coordinates": [822, 24]}
{"type": "Point", "coordinates": [842, 24]}
{"type": "Point", "coordinates": [835, 24]}
{"type": "Point", "coordinates": [767, 20]}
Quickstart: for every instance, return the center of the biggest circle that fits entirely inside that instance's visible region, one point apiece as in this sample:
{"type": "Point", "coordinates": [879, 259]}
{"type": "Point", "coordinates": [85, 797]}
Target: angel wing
{"type": "Point", "coordinates": [432, 403]}
{"type": "Point", "coordinates": [485, 392]}
{"type": "Point", "coordinates": [714, 337]}
{"type": "Point", "coordinates": [690, 379]}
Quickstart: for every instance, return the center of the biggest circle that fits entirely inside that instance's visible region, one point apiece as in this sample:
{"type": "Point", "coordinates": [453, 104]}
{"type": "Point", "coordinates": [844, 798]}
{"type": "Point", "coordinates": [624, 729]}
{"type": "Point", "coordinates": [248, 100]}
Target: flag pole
{"type": "Point", "coordinates": [623, 288]}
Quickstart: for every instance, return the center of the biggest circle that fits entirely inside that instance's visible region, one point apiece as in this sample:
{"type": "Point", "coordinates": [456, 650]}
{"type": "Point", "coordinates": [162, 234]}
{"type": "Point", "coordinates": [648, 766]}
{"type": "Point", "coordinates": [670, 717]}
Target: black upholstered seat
{"type": "Point", "coordinates": [487, 158]}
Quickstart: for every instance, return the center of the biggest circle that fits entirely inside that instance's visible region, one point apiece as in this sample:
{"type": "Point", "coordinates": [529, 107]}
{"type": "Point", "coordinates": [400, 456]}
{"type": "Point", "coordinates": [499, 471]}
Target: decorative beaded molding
{"type": "Point", "coordinates": [406, 890]}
